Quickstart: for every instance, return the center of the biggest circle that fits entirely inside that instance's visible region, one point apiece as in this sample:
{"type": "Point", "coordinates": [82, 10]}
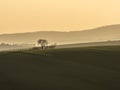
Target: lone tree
{"type": "Point", "coordinates": [43, 43]}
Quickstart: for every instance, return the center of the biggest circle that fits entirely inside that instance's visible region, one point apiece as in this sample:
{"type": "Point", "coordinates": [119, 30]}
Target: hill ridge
{"type": "Point", "coordinates": [104, 33]}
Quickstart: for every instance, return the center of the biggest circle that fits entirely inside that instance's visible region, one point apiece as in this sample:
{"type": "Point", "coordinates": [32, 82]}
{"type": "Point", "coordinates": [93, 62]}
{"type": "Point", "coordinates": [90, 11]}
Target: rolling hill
{"type": "Point", "coordinates": [105, 33]}
{"type": "Point", "coordinates": [92, 68]}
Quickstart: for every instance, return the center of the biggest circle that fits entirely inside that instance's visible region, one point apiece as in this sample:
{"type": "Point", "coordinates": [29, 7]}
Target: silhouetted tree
{"type": "Point", "coordinates": [43, 43]}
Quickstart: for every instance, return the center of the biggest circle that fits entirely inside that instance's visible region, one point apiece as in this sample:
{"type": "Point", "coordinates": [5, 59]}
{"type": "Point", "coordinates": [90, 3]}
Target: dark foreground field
{"type": "Point", "coordinates": [94, 68]}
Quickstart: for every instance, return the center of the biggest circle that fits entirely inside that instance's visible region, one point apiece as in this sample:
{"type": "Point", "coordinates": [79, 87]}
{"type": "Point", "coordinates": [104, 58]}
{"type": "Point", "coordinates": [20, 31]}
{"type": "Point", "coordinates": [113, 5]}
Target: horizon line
{"type": "Point", "coordinates": [60, 31]}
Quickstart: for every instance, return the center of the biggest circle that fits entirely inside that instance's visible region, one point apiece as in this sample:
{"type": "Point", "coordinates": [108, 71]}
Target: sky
{"type": "Point", "coordinates": [57, 15]}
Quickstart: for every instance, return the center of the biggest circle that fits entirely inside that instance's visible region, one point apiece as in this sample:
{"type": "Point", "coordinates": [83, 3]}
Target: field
{"type": "Point", "coordinates": [90, 68]}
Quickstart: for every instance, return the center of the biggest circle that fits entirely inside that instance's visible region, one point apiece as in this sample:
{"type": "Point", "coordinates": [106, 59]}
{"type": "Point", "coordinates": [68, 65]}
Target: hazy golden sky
{"type": "Point", "coordinates": [63, 15]}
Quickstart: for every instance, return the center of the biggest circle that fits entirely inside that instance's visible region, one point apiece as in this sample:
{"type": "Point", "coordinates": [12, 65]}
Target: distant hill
{"type": "Point", "coordinates": [92, 44]}
{"type": "Point", "coordinates": [105, 33]}
{"type": "Point", "coordinates": [7, 47]}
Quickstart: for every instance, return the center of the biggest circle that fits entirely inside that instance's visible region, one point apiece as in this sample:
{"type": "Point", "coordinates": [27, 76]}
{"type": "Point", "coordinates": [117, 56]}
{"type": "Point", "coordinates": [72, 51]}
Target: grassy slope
{"type": "Point", "coordinates": [92, 68]}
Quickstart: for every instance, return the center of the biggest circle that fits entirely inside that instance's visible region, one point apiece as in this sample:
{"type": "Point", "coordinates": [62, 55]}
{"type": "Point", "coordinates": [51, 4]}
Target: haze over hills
{"type": "Point", "coordinates": [105, 33]}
